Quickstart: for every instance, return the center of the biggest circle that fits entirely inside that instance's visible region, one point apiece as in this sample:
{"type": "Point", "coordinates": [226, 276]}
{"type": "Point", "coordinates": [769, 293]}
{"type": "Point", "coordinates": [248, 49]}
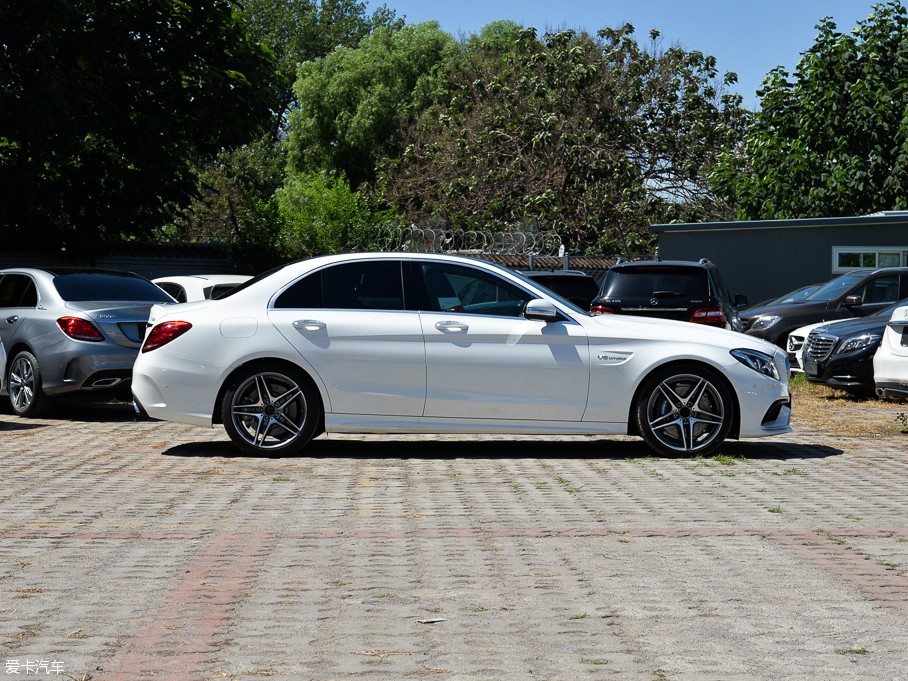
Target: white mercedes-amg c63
{"type": "Point", "coordinates": [422, 343]}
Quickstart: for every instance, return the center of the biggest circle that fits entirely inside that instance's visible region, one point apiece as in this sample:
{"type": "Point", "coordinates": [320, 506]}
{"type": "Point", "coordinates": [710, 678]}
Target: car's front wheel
{"type": "Point", "coordinates": [26, 395]}
{"type": "Point", "coordinates": [684, 410]}
{"type": "Point", "coordinates": [270, 409]}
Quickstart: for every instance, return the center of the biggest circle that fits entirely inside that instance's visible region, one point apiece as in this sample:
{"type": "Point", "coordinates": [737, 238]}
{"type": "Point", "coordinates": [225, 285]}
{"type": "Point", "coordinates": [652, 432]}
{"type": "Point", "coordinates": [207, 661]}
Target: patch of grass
{"type": "Point", "coordinates": [281, 480]}
{"type": "Point", "coordinates": [853, 517]}
{"type": "Point", "coordinates": [852, 651]}
{"type": "Point", "coordinates": [584, 660]}
{"type": "Point", "coordinates": [762, 489]}
{"type": "Point", "coordinates": [831, 537]}
{"type": "Point", "coordinates": [433, 609]}
{"type": "Point", "coordinates": [574, 490]}
{"type": "Point", "coordinates": [888, 564]}
{"type": "Point", "coordinates": [655, 474]}
{"type": "Point", "coordinates": [578, 617]}
{"type": "Point", "coordinates": [726, 460]}
{"type": "Point", "coordinates": [775, 509]}
{"type": "Point", "coordinates": [728, 474]}
{"type": "Point", "coordinates": [600, 469]}
{"type": "Point", "coordinates": [794, 471]}
{"type": "Point", "coordinates": [515, 485]}
{"type": "Point", "coordinates": [479, 608]}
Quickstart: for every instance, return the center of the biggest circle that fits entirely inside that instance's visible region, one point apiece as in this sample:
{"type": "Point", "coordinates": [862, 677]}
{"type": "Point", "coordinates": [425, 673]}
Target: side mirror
{"type": "Point", "coordinates": [852, 300]}
{"type": "Point", "coordinates": [542, 311]}
{"type": "Point", "coordinates": [740, 301]}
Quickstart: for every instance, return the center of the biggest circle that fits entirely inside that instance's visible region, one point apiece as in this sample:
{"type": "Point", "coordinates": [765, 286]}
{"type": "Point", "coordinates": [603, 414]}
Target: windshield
{"type": "Point", "coordinates": [835, 288]}
{"type": "Point", "coordinates": [118, 288]}
{"type": "Point", "coordinates": [796, 296]}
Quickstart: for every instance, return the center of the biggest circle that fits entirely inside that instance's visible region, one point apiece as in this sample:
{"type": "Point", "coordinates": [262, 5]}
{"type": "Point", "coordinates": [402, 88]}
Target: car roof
{"type": "Point", "coordinates": [558, 273]}
{"type": "Point", "coordinates": [60, 271]}
{"type": "Point", "coordinates": [668, 263]}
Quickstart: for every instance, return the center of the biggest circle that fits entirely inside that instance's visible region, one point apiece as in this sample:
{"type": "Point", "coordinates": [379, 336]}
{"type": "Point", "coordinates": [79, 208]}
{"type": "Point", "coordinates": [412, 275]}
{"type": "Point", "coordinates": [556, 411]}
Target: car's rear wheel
{"type": "Point", "coordinates": [26, 395]}
{"type": "Point", "coordinates": [684, 410]}
{"type": "Point", "coordinates": [270, 409]}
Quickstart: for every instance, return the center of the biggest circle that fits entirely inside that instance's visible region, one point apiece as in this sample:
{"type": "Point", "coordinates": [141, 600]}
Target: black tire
{"type": "Point", "coordinates": [270, 409]}
{"type": "Point", "coordinates": [26, 395]}
{"type": "Point", "coordinates": [684, 409]}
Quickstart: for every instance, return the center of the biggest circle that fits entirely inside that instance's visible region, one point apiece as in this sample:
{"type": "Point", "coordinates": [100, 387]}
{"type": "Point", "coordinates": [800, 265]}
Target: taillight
{"type": "Point", "coordinates": [709, 315]}
{"type": "Point", "coordinates": [80, 329]}
{"type": "Point", "coordinates": [163, 333]}
{"type": "Point", "coordinates": [601, 309]}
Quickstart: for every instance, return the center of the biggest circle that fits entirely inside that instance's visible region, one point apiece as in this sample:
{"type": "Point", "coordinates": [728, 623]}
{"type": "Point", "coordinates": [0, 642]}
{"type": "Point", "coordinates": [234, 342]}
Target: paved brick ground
{"type": "Point", "coordinates": [153, 551]}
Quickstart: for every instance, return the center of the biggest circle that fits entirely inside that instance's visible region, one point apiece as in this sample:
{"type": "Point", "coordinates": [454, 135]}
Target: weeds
{"type": "Point", "coordinates": [775, 509]}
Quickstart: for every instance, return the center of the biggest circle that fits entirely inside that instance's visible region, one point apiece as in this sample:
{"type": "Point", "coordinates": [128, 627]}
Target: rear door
{"type": "Point", "coordinates": [350, 322]}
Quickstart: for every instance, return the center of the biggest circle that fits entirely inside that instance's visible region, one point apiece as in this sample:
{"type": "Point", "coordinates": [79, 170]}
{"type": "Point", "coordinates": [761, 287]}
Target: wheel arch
{"type": "Point", "coordinates": [216, 411]}
{"type": "Point", "coordinates": [735, 430]}
{"type": "Point", "coordinates": [10, 354]}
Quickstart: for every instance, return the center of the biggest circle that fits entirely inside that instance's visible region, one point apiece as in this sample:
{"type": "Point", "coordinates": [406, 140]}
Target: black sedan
{"type": "Point", "coordinates": [841, 355]}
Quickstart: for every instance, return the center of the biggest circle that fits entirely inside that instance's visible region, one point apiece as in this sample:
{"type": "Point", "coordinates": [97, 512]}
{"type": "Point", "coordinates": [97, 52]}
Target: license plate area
{"type": "Point", "coordinates": [810, 367]}
{"type": "Point", "coordinates": [904, 341]}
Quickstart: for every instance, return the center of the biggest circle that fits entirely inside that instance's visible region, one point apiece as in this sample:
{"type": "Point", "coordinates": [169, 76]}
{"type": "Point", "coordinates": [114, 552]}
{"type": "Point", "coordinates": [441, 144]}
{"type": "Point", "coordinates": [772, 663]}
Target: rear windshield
{"type": "Point", "coordinates": [654, 280]}
{"type": "Point", "coordinates": [108, 287]}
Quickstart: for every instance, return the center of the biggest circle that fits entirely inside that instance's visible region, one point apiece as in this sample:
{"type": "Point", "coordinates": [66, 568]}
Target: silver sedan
{"type": "Point", "coordinates": [67, 329]}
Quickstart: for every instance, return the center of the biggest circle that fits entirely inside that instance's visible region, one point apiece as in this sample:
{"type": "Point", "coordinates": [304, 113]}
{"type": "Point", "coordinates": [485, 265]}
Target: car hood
{"type": "Point", "coordinates": [653, 328]}
{"type": "Point", "coordinates": [857, 327]}
{"type": "Point", "coordinates": [780, 309]}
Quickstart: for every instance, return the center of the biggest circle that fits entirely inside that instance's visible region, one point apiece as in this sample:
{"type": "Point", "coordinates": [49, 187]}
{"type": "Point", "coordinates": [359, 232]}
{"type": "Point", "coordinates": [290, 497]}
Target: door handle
{"type": "Point", "coordinates": [451, 326]}
{"type": "Point", "coordinates": [13, 319]}
{"type": "Point", "coordinates": [309, 325]}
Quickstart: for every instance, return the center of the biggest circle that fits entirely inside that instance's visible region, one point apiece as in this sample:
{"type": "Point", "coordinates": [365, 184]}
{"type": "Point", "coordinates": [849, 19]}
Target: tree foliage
{"type": "Point", "coordinates": [105, 103]}
{"type": "Point", "coordinates": [596, 137]}
{"type": "Point", "coordinates": [352, 102]}
{"type": "Point", "coordinates": [298, 31]}
{"type": "Point", "coordinates": [833, 140]}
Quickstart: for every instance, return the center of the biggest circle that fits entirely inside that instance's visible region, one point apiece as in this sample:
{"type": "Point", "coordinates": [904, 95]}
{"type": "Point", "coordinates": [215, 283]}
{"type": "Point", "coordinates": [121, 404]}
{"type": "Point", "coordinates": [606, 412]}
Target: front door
{"type": "Point", "coordinates": [485, 360]}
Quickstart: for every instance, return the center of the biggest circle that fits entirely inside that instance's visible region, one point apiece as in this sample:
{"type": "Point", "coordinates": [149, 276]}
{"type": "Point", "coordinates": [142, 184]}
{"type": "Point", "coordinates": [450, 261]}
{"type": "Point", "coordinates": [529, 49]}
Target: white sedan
{"type": "Point", "coordinates": [890, 362]}
{"type": "Point", "coordinates": [423, 343]}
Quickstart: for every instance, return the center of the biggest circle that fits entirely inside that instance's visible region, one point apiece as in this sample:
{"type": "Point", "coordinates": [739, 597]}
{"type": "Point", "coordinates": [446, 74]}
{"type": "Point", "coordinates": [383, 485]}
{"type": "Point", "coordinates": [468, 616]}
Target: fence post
{"type": "Point", "coordinates": [531, 262]}
{"type": "Point", "coordinates": [567, 262]}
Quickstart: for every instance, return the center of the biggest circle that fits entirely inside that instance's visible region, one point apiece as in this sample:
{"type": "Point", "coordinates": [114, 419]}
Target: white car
{"type": "Point", "coordinates": [890, 362]}
{"type": "Point", "coordinates": [425, 343]}
{"type": "Point", "coordinates": [2, 366]}
{"type": "Point", "coordinates": [189, 288]}
{"type": "Point", "coordinates": [797, 338]}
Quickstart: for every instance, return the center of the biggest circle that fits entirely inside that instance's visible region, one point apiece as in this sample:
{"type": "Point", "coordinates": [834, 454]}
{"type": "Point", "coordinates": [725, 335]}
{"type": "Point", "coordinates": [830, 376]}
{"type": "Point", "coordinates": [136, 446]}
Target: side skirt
{"type": "Point", "coordinates": [360, 423]}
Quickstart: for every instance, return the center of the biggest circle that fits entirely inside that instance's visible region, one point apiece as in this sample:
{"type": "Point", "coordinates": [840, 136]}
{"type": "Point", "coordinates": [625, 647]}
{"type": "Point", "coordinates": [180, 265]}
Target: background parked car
{"type": "Point", "coordinates": [890, 363]}
{"type": "Point", "coordinates": [684, 291]}
{"type": "Point", "coordinates": [795, 344]}
{"type": "Point", "coordinates": [840, 354]}
{"type": "Point", "coordinates": [189, 288]}
{"type": "Point", "coordinates": [577, 287]}
{"type": "Point", "coordinates": [70, 329]}
{"type": "Point", "coordinates": [856, 294]}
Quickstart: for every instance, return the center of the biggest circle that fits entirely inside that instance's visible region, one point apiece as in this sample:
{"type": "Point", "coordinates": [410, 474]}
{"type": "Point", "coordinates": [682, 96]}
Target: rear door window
{"type": "Point", "coordinates": [18, 290]}
{"type": "Point", "coordinates": [366, 285]}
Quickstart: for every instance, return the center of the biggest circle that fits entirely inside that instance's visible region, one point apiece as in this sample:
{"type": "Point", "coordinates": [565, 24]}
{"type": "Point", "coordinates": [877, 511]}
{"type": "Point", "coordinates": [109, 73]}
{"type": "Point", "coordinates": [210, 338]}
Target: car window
{"type": "Point", "coordinates": [108, 287]}
{"type": "Point", "coordinates": [18, 290]}
{"type": "Point", "coordinates": [305, 294]}
{"type": "Point", "coordinates": [218, 290]}
{"type": "Point", "coordinates": [835, 288]}
{"type": "Point", "coordinates": [648, 280]}
{"type": "Point", "coordinates": [719, 285]}
{"type": "Point", "coordinates": [455, 288]}
{"type": "Point", "coordinates": [879, 290]}
{"type": "Point", "coordinates": [177, 291]}
{"type": "Point", "coordinates": [364, 285]}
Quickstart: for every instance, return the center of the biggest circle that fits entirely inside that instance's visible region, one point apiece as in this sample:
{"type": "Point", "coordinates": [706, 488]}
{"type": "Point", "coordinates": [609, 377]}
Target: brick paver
{"type": "Point", "coordinates": [154, 551]}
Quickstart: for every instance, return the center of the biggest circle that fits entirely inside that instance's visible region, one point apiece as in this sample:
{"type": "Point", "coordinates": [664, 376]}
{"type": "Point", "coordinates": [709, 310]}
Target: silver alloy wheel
{"type": "Point", "coordinates": [22, 384]}
{"type": "Point", "coordinates": [685, 413]}
{"type": "Point", "coordinates": [269, 410]}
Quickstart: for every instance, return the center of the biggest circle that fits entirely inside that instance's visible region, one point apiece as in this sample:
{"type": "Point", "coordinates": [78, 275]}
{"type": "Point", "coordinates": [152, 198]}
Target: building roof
{"type": "Point", "coordinates": [883, 218]}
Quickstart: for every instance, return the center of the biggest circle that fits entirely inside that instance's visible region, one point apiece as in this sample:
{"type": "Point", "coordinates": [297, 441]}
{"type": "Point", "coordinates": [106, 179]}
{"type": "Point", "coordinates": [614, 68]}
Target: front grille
{"type": "Point", "coordinates": [818, 347]}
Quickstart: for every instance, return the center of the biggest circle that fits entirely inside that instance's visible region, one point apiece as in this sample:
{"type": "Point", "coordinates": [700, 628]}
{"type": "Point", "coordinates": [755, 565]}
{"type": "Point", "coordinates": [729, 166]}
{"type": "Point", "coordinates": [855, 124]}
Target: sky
{"type": "Point", "coordinates": [749, 37]}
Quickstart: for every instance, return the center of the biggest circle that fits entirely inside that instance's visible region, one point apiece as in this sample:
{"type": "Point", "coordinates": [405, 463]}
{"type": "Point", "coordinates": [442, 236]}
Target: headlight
{"type": "Point", "coordinates": [764, 322]}
{"type": "Point", "coordinates": [758, 361]}
{"type": "Point", "coordinates": [857, 343]}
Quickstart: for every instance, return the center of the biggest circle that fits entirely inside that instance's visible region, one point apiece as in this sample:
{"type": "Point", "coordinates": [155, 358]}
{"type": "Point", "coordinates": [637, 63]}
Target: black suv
{"type": "Point", "coordinates": [577, 287]}
{"type": "Point", "coordinates": [862, 293]}
{"type": "Point", "coordinates": [686, 291]}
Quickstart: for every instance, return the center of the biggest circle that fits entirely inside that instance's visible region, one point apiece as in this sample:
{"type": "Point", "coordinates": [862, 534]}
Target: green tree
{"type": "Point", "coordinates": [832, 141]}
{"type": "Point", "coordinates": [352, 102]}
{"type": "Point", "coordinates": [104, 105]}
{"type": "Point", "coordinates": [595, 137]}
{"type": "Point", "coordinates": [298, 31]}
